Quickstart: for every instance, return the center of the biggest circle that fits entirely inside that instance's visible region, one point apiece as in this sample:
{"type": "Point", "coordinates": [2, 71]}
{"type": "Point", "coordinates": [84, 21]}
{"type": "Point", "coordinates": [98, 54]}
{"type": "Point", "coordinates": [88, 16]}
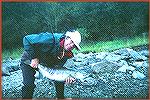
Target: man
{"type": "Point", "coordinates": [51, 50]}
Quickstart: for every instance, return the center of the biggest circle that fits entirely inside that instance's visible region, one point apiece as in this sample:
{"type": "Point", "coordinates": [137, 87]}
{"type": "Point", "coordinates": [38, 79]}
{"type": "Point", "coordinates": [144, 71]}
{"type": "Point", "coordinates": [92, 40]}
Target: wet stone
{"type": "Point", "coordinates": [122, 73]}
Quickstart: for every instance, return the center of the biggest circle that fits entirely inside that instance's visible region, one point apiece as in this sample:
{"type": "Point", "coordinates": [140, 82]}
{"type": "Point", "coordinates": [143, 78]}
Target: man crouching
{"type": "Point", "coordinates": [50, 49]}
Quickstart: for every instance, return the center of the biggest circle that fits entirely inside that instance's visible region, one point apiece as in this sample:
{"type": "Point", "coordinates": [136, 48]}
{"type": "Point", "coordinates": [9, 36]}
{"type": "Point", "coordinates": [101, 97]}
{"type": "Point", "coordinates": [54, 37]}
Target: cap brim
{"type": "Point", "coordinates": [77, 46]}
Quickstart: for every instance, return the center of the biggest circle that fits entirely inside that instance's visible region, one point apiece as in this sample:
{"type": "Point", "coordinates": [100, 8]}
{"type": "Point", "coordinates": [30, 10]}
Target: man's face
{"type": "Point", "coordinates": [68, 44]}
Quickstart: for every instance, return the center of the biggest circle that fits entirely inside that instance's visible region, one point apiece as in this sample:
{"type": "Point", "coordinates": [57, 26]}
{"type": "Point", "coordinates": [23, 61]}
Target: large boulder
{"type": "Point", "coordinates": [10, 65]}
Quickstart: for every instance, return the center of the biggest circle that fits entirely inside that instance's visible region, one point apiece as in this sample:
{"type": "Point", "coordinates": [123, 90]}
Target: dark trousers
{"type": "Point", "coordinates": [28, 82]}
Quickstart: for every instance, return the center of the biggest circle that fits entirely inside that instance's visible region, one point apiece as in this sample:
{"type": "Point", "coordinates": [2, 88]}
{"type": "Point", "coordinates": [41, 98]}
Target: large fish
{"type": "Point", "coordinates": [60, 74]}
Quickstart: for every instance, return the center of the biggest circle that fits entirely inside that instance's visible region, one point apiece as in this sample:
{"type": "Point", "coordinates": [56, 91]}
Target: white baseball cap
{"type": "Point", "coordinates": [75, 37]}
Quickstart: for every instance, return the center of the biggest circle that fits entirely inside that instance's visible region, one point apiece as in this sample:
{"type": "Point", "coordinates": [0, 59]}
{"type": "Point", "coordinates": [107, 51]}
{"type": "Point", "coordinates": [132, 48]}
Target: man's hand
{"type": "Point", "coordinates": [69, 80]}
{"type": "Point", "coordinates": [34, 62]}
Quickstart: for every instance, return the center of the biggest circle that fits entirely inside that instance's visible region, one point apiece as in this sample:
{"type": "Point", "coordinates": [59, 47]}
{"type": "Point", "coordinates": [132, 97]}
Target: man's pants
{"type": "Point", "coordinates": [28, 82]}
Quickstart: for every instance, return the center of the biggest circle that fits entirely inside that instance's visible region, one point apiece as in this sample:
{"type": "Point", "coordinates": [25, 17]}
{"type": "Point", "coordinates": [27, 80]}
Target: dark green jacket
{"type": "Point", "coordinates": [44, 46]}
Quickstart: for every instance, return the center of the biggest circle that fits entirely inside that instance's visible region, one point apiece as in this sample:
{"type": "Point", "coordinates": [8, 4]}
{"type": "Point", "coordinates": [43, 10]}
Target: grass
{"type": "Point", "coordinates": [105, 46]}
{"type": "Point", "coordinates": [92, 46]}
{"type": "Point", "coordinates": [14, 54]}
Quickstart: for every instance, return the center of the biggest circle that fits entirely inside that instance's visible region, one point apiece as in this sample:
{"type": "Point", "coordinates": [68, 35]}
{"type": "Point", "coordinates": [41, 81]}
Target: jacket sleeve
{"type": "Point", "coordinates": [34, 42]}
{"type": "Point", "coordinates": [28, 46]}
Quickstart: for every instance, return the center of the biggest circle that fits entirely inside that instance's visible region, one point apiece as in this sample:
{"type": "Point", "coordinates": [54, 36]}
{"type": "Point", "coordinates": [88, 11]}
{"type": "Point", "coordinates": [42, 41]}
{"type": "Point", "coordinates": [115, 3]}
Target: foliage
{"type": "Point", "coordinates": [95, 20]}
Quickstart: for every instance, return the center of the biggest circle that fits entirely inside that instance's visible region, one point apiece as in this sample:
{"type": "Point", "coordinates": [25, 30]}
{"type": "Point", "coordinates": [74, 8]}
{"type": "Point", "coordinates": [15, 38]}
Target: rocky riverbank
{"type": "Point", "coordinates": [121, 73]}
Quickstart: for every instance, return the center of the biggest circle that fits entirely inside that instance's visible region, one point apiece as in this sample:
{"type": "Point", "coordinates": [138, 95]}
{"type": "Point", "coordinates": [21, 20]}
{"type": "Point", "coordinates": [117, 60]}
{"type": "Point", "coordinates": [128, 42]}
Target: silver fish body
{"type": "Point", "coordinates": [60, 74]}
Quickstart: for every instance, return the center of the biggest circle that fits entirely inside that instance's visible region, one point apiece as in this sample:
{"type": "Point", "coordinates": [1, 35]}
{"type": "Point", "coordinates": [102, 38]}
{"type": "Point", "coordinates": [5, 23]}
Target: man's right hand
{"type": "Point", "coordinates": [70, 80]}
{"type": "Point", "coordinates": [34, 62]}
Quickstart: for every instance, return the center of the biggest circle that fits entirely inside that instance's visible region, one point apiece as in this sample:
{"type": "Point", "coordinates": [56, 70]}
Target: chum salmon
{"type": "Point", "coordinates": [59, 74]}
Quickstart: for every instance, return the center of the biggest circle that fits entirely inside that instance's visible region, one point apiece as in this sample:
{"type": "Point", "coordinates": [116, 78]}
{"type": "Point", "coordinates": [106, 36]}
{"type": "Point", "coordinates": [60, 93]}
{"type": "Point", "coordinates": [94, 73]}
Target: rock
{"type": "Point", "coordinates": [138, 75]}
{"type": "Point", "coordinates": [136, 56]}
{"type": "Point", "coordinates": [125, 68]}
{"type": "Point", "coordinates": [5, 71]}
{"type": "Point", "coordinates": [121, 63]}
{"type": "Point", "coordinates": [104, 67]}
{"type": "Point", "coordinates": [122, 69]}
{"type": "Point", "coordinates": [138, 64]}
{"type": "Point", "coordinates": [122, 52]}
{"type": "Point", "coordinates": [130, 68]}
{"type": "Point", "coordinates": [89, 81]}
{"type": "Point", "coordinates": [101, 55]}
{"type": "Point", "coordinates": [141, 47]}
{"type": "Point", "coordinates": [112, 57]}
{"type": "Point", "coordinates": [80, 55]}
{"type": "Point", "coordinates": [144, 53]}
{"type": "Point", "coordinates": [145, 64]}
{"type": "Point", "coordinates": [128, 53]}
{"type": "Point", "coordinates": [70, 64]}
{"type": "Point", "coordinates": [10, 66]}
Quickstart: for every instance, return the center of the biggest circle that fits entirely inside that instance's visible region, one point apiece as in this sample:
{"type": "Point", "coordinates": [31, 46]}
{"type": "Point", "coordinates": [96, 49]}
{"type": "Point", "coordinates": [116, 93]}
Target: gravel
{"type": "Point", "coordinates": [106, 82]}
